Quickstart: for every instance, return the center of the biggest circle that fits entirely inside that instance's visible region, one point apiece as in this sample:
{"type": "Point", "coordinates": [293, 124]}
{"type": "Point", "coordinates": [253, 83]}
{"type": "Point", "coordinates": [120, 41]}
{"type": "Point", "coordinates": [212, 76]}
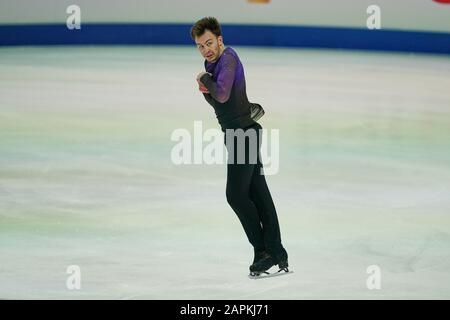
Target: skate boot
{"type": "Point", "coordinates": [283, 260]}
{"type": "Point", "coordinates": [259, 254]}
{"type": "Point", "coordinates": [268, 262]}
{"type": "Point", "coordinates": [262, 265]}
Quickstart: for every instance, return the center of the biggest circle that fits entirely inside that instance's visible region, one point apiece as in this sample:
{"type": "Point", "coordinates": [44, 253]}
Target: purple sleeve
{"type": "Point", "coordinates": [220, 90]}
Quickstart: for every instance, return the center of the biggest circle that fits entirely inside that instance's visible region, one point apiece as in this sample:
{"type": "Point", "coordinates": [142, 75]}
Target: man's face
{"type": "Point", "coordinates": [209, 45]}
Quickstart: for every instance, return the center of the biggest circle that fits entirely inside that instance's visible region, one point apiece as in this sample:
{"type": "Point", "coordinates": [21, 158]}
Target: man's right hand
{"type": "Point", "coordinates": [202, 87]}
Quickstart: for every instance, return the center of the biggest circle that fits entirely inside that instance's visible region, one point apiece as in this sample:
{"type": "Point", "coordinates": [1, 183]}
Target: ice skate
{"type": "Point", "coordinates": [260, 269]}
{"type": "Point", "coordinates": [258, 255]}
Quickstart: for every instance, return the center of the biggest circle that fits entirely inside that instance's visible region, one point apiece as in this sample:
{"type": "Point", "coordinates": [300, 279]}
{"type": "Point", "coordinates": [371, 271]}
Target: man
{"type": "Point", "coordinates": [223, 86]}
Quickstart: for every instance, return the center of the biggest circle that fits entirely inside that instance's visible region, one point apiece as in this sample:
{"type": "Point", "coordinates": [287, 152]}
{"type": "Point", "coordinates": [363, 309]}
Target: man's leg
{"type": "Point", "coordinates": [261, 197]}
{"type": "Point", "coordinates": [237, 192]}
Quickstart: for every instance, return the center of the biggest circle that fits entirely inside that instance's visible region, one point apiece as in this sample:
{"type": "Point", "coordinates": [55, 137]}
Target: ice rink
{"type": "Point", "coordinates": [86, 176]}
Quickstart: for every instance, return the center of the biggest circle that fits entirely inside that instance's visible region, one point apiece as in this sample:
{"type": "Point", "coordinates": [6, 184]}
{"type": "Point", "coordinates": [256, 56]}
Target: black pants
{"type": "Point", "coordinates": [247, 192]}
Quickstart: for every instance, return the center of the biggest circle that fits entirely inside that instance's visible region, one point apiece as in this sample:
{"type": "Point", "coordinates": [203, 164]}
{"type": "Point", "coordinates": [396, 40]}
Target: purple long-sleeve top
{"type": "Point", "coordinates": [227, 91]}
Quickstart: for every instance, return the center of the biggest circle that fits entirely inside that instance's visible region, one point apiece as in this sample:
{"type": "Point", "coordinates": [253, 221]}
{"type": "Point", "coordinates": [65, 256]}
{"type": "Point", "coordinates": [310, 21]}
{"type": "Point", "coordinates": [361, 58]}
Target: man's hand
{"type": "Point", "coordinates": [201, 75]}
{"type": "Point", "coordinates": [201, 86]}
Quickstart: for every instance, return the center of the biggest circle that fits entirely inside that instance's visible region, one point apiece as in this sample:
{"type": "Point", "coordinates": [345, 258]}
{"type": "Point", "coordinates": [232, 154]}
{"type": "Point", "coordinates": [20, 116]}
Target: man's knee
{"type": "Point", "coordinates": [233, 198]}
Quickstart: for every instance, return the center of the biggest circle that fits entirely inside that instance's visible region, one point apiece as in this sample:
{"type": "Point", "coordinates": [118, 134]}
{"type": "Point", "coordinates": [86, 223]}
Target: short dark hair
{"type": "Point", "coordinates": [206, 23]}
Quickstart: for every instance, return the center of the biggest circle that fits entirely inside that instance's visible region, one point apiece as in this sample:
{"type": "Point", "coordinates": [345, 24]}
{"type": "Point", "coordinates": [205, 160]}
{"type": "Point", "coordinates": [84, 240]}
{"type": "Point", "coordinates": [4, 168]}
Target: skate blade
{"type": "Point", "coordinates": [266, 274]}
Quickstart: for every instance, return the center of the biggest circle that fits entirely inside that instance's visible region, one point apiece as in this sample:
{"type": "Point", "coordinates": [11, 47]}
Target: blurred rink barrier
{"type": "Point", "coordinates": [406, 25]}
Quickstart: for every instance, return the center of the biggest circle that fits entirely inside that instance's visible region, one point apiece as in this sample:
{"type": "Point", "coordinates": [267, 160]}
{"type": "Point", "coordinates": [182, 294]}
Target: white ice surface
{"type": "Point", "coordinates": [86, 177]}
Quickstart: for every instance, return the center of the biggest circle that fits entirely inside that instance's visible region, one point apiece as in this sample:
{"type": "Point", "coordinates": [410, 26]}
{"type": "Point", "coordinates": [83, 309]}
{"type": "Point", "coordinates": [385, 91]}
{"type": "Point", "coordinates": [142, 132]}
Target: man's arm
{"type": "Point", "coordinates": [221, 89]}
